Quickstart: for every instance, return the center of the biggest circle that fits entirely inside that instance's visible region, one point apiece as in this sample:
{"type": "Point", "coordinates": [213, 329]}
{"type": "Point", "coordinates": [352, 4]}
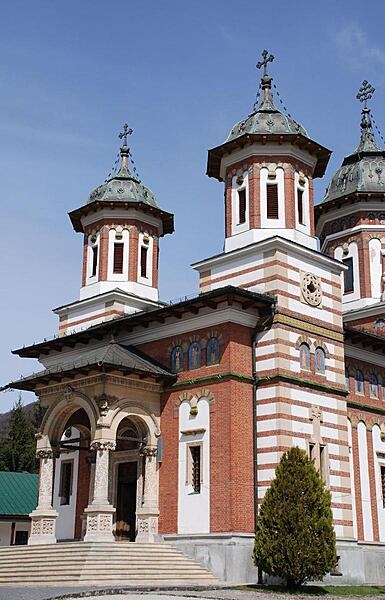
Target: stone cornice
{"type": "Point", "coordinates": [326, 387]}
{"type": "Point", "coordinates": [297, 323]}
{"type": "Point", "coordinates": [104, 378]}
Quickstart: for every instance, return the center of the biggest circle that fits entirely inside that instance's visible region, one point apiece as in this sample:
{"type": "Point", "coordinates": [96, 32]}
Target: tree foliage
{"type": "Point", "coordinates": [17, 447]}
{"type": "Point", "coordinates": [295, 539]}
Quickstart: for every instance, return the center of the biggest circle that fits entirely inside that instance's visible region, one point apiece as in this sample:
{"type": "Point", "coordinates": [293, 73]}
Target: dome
{"type": "Point", "coordinates": [123, 186]}
{"type": "Point", "coordinates": [364, 169]}
{"type": "Point", "coordinates": [266, 119]}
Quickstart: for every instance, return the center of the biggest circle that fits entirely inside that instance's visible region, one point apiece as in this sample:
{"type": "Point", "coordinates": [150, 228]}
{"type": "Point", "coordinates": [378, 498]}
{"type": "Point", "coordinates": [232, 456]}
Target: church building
{"type": "Point", "coordinates": [167, 421]}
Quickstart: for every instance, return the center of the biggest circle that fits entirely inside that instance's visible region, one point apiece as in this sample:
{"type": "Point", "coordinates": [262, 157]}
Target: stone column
{"type": "Point", "coordinates": [149, 512]}
{"type": "Point", "coordinates": [44, 516]}
{"type": "Point", "coordinates": [100, 511]}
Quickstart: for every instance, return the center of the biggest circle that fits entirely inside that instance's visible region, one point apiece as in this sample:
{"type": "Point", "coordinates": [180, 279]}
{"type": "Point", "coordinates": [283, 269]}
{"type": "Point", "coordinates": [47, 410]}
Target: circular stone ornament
{"type": "Point", "coordinates": [311, 289]}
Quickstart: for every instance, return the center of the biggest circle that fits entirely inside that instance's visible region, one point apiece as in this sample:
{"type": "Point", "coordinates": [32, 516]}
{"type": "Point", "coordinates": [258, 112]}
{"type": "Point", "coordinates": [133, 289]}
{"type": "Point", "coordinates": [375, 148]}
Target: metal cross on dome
{"type": "Point", "coordinates": [125, 133]}
{"type": "Point", "coordinates": [263, 63]}
{"type": "Point", "coordinates": [365, 92]}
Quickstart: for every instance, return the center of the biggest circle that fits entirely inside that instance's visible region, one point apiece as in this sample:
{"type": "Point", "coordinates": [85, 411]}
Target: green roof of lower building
{"type": "Point", "coordinates": [18, 493]}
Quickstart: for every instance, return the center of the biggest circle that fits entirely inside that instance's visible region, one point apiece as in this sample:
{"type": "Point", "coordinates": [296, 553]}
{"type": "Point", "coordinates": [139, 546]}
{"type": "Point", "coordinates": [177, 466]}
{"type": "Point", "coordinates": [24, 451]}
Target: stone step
{"type": "Point", "coordinates": [75, 563]}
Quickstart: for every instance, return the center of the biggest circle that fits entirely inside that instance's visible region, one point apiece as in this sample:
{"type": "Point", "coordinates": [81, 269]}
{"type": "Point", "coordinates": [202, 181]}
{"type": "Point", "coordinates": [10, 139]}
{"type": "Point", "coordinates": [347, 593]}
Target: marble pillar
{"type": "Point", "coordinates": [148, 513]}
{"type": "Point", "coordinates": [100, 512]}
{"type": "Point", "coordinates": [43, 518]}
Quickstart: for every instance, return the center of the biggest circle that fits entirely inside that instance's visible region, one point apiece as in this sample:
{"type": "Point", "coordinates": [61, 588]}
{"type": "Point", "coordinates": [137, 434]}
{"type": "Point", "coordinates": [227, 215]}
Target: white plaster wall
{"type": "Point", "coordinates": [150, 250]}
{"type": "Point", "coordinates": [375, 267]}
{"type": "Point", "coordinates": [352, 252]}
{"type": "Point", "coordinates": [193, 508]}
{"type": "Point", "coordinates": [365, 488]}
{"type": "Point", "coordinates": [111, 241]}
{"type": "Point", "coordinates": [65, 522]}
{"type": "Point", "coordinates": [305, 228]}
{"type": "Point", "coordinates": [236, 226]}
{"type": "Point", "coordinates": [6, 527]}
{"type": "Point", "coordinates": [352, 484]}
{"type": "Point", "coordinates": [379, 460]}
{"type": "Point", "coordinates": [279, 180]}
{"type": "Point", "coordinates": [5, 533]}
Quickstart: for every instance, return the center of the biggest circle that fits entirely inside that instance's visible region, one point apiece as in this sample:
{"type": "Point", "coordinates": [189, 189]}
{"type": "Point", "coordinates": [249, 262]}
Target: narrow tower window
{"type": "Point", "coordinates": [143, 261]}
{"type": "Point", "coordinates": [242, 206]}
{"type": "Point", "coordinates": [300, 206]}
{"type": "Point", "coordinates": [348, 275]}
{"type": "Point", "coordinates": [196, 468]}
{"type": "Point", "coordinates": [94, 260]}
{"type": "Point", "coordinates": [272, 201]}
{"type": "Point", "coordinates": [383, 484]}
{"type": "Point", "coordinates": [118, 257]}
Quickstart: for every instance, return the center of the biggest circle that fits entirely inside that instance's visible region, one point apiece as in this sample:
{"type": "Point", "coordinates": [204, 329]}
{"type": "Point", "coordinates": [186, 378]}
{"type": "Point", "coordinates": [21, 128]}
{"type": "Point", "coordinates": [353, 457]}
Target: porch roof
{"type": "Point", "coordinates": [110, 357]}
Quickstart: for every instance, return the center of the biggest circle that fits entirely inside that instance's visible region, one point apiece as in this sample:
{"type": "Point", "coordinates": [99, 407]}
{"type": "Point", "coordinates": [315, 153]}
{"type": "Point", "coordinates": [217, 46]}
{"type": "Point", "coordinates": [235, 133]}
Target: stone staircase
{"type": "Point", "coordinates": [99, 564]}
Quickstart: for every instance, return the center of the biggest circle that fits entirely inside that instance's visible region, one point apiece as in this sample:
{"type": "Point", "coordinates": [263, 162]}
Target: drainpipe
{"type": "Point", "coordinates": [262, 326]}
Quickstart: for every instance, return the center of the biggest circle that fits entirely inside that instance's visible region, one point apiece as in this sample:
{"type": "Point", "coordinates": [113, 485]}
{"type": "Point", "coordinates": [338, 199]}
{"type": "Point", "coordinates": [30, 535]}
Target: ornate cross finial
{"type": "Point", "coordinates": [365, 92]}
{"type": "Point", "coordinates": [125, 133]}
{"type": "Point", "coordinates": [263, 63]}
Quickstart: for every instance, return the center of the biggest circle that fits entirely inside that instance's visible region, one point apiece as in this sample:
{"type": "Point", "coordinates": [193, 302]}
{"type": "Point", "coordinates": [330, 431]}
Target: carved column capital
{"type": "Point", "coordinates": [149, 451]}
{"type": "Point", "coordinates": [103, 446]}
{"type": "Point", "coordinates": [45, 454]}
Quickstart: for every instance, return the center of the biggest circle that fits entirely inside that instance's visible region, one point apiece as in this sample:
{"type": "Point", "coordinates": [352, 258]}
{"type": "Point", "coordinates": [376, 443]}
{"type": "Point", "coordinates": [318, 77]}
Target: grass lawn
{"type": "Point", "coordinates": [327, 590]}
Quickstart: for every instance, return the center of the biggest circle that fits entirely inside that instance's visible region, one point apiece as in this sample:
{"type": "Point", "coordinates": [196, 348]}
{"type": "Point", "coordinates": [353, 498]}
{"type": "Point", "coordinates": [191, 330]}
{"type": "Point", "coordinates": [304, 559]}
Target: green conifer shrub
{"type": "Point", "coordinates": [295, 539]}
{"type": "Point", "coordinates": [18, 447]}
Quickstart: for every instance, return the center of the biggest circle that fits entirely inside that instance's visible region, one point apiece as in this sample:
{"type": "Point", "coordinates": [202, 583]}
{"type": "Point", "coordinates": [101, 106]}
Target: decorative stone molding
{"type": "Point", "coordinates": [193, 399]}
{"type": "Point", "coordinates": [311, 288]}
{"type": "Point", "coordinates": [320, 344]}
{"type": "Point", "coordinates": [103, 404]}
{"type": "Point", "coordinates": [93, 380]}
{"type": "Point", "coordinates": [149, 451]}
{"type": "Point", "coordinates": [303, 339]}
{"type": "Point", "coordinates": [45, 454]}
{"type": "Point", "coordinates": [102, 446]}
{"type": "Point", "coordinates": [42, 527]}
{"type": "Point", "coordinates": [99, 524]}
{"type": "Point", "coordinates": [368, 420]}
{"type": "Point", "coordinates": [68, 393]}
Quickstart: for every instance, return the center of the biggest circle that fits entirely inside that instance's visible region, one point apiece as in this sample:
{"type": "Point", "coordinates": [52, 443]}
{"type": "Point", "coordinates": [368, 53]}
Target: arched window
{"type": "Point", "coordinates": [319, 360]}
{"type": "Point", "coordinates": [176, 359]}
{"type": "Point", "coordinates": [347, 378]}
{"type": "Point", "coordinates": [194, 356]}
{"type": "Point", "coordinates": [212, 351]}
{"type": "Point", "coordinates": [359, 382]}
{"type": "Point", "coordinates": [304, 356]}
{"type": "Point", "coordinates": [373, 385]}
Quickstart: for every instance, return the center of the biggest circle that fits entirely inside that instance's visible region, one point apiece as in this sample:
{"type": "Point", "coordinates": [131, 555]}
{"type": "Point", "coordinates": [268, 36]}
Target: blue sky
{"type": "Point", "coordinates": [181, 74]}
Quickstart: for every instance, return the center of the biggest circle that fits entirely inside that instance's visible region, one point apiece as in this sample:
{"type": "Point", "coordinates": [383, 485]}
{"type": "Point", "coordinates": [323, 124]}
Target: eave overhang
{"type": "Point", "coordinates": [215, 155]}
{"type": "Point", "coordinates": [212, 299]}
{"type": "Point", "coordinates": [364, 339]}
{"type": "Point", "coordinates": [353, 198]}
{"type": "Point", "coordinates": [77, 214]}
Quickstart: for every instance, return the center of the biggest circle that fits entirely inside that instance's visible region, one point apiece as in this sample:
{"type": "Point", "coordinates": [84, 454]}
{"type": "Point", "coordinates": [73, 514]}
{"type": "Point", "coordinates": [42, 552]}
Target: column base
{"type": "Point", "coordinates": [147, 527]}
{"type": "Point", "coordinates": [42, 527]}
{"type": "Point", "coordinates": [99, 523]}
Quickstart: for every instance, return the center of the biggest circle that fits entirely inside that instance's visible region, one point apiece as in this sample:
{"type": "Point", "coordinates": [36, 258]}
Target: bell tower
{"type": "Point", "coordinates": [121, 224]}
{"type": "Point", "coordinates": [351, 222]}
{"type": "Point", "coordinates": [268, 163]}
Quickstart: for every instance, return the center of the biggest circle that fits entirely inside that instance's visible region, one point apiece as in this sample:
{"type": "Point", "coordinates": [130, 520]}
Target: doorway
{"type": "Point", "coordinates": [126, 501]}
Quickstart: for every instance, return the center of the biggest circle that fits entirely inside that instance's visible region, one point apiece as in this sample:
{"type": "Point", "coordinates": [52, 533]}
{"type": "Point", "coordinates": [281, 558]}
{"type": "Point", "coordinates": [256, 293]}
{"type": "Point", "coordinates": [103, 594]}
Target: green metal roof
{"type": "Point", "coordinates": [18, 493]}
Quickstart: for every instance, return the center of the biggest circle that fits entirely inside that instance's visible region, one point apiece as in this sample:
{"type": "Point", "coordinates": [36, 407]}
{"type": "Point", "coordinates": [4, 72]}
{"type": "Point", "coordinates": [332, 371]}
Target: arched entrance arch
{"type": "Point", "coordinates": [114, 475]}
